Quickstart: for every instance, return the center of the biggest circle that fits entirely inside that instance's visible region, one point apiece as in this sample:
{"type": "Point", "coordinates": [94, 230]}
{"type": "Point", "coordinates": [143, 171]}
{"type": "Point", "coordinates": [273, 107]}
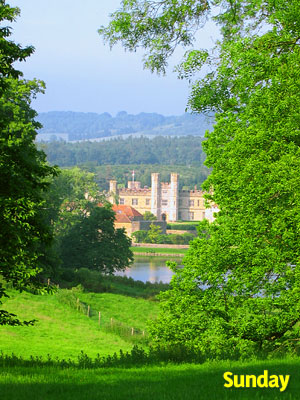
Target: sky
{"type": "Point", "coordinates": [81, 72]}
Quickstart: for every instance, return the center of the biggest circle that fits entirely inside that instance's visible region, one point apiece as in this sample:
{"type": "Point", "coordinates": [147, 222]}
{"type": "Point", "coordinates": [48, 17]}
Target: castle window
{"type": "Point", "coordinates": [147, 202]}
{"type": "Point", "coordinates": [121, 200]}
{"type": "Point", "coordinates": [203, 215]}
{"type": "Point", "coordinates": [191, 203]}
{"type": "Point", "coordinates": [164, 202]}
{"type": "Point", "coordinates": [135, 202]}
{"type": "Point", "coordinates": [198, 203]}
{"type": "Point", "coordinates": [191, 215]}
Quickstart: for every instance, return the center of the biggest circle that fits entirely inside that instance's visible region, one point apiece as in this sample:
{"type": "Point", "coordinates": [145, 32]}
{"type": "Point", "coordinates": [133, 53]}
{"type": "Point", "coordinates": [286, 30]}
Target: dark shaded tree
{"type": "Point", "coordinates": [23, 172]}
{"type": "Point", "coordinates": [94, 243]}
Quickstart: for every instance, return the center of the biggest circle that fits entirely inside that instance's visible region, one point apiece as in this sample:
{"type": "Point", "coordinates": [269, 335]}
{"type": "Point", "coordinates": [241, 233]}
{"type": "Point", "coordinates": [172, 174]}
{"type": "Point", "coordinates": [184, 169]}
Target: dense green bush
{"type": "Point", "coordinates": [140, 236]}
{"type": "Point", "coordinates": [143, 237]}
{"type": "Point", "coordinates": [183, 227]}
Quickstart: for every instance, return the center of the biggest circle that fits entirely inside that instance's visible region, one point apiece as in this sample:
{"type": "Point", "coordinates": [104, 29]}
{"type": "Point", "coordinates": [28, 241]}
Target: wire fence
{"type": "Point", "coordinates": [104, 322]}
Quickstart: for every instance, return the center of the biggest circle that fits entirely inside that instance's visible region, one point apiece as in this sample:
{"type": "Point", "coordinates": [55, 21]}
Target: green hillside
{"type": "Point", "coordinates": [63, 332]}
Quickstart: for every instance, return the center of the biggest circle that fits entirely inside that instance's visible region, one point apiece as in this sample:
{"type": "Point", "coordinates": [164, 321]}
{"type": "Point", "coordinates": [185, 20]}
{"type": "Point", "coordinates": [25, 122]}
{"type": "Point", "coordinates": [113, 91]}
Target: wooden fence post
{"type": "Point", "coordinates": [132, 331]}
{"type": "Point", "coordinates": [88, 311]}
{"type": "Point", "coordinates": [99, 319]}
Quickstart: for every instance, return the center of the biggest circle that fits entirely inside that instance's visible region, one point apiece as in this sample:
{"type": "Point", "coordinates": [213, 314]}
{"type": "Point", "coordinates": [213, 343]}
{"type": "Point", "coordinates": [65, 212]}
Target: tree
{"type": "Point", "coordinates": [23, 172]}
{"type": "Point", "coordinates": [69, 194]}
{"type": "Point", "coordinates": [140, 236]}
{"type": "Point", "coordinates": [148, 216]}
{"type": "Point", "coordinates": [94, 243]}
{"type": "Point", "coordinates": [239, 290]}
{"type": "Point", "coordinates": [154, 233]}
{"type": "Point", "coordinates": [84, 232]}
{"type": "Point", "coordinates": [66, 201]}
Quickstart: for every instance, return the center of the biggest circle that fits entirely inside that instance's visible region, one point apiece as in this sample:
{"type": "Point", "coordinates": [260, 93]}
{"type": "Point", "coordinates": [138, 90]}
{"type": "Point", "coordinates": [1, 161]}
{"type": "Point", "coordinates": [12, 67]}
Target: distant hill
{"type": "Point", "coordinates": [83, 126]}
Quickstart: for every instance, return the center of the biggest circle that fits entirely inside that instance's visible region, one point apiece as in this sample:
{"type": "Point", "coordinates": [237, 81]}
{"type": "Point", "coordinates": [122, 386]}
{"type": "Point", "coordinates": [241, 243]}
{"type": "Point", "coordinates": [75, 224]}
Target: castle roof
{"type": "Point", "coordinates": [122, 218]}
{"type": "Point", "coordinates": [125, 213]}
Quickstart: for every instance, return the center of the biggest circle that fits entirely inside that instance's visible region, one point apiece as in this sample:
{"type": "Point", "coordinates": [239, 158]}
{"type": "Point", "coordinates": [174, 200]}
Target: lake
{"type": "Point", "coordinates": [151, 269]}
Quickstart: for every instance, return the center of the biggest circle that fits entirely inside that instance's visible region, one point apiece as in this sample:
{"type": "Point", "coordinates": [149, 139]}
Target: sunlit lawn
{"type": "Point", "coordinates": [171, 382]}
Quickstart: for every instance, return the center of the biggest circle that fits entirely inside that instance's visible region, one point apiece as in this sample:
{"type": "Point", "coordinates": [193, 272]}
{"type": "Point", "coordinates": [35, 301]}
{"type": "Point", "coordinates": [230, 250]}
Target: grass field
{"type": "Point", "coordinates": [132, 312]}
{"type": "Point", "coordinates": [169, 382]}
{"type": "Point", "coordinates": [63, 332]}
{"type": "Point", "coordinates": [159, 250]}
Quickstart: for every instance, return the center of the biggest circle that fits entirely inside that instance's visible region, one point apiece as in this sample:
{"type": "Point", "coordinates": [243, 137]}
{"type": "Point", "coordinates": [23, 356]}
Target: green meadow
{"type": "Point", "coordinates": [63, 329]}
{"type": "Point", "coordinates": [161, 382]}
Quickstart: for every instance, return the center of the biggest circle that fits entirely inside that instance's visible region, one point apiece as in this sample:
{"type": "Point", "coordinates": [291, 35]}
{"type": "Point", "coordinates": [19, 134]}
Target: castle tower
{"type": "Point", "coordinates": [113, 191]}
{"type": "Point", "coordinates": [155, 196]}
{"type": "Point", "coordinates": [174, 197]}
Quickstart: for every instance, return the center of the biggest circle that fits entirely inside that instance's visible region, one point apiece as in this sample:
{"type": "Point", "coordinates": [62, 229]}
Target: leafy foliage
{"type": "Point", "coordinates": [157, 26]}
{"type": "Point", "coordinates": [190, 226]}
{"type": "Point", "coordinates": [148, 216]}
{"type": "Point", "coordinates": [159, 238]}
{"type": "Point", "coordinates": [84, 231]}
{"type": "Point", "coordinates": [159, 150]}
{"type": "Point", "coordinates": [94, 243]}
{"type": "Point", "coordinates": [23, 171]}
{"type": "Point", "coordinates": [153, 233]}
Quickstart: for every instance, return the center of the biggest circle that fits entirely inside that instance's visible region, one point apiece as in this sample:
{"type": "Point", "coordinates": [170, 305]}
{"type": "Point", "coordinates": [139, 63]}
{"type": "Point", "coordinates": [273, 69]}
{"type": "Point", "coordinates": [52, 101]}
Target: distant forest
{"type": "Point", "coordinates": [116, 158]}
{"type": "Point", "coordinates": [159, 150]}
{"type": "Point", "coordinates": [82, 126]}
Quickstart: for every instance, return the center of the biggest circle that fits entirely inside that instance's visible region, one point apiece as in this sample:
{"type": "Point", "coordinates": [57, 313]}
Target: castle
{"type": "Point", "coordinates": [163, 199]}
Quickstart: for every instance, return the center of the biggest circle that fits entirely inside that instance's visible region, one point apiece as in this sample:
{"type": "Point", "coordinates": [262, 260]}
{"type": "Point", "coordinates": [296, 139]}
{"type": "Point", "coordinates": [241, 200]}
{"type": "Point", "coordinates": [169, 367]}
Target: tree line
{"type": "Point", "coordinates": [159, 150]}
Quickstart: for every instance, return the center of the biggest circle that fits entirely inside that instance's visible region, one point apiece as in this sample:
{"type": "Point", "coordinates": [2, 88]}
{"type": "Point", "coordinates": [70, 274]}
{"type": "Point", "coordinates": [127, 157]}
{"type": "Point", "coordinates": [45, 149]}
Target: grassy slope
{"type": "Point", "coordinates": [63, 332]}
{"type": "Point", "coordinates": [130, 311]}
{"type": "Point", "coordinates": [171, 382]}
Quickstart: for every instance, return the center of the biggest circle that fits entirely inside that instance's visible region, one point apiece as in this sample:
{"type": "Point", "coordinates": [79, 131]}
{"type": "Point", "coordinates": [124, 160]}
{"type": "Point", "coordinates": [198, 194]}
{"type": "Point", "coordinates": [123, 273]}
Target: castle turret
{"type": "Point", "coordinates": [113, 191]}
{"type": "Point", "coordinates": [155, 196]}
{"type": "Point", "coordinates": [174, 197]}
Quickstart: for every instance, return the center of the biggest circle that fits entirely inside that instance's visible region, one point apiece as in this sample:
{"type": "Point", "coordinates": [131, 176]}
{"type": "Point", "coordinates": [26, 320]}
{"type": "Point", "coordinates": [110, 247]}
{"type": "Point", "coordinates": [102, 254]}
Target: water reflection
{"type": "Point", "coordinates": [151, 269]}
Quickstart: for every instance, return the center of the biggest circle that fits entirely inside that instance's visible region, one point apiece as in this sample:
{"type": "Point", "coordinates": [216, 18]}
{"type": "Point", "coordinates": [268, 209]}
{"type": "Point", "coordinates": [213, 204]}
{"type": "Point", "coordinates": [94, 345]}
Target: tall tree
{"type": "Point", "coordinates": [23, 171]}
{"type": "Point", "coordinates": [93, 242]}
{"type": "Point", "coordinates": [84, 233]}
{"type": "Point", "coordinates": [240, 288]}
{"type": "Point", "coordinates": [66, 200]}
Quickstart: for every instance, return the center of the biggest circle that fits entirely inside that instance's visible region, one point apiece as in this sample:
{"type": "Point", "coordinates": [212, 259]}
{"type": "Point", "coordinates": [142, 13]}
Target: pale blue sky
{"type": "Point", "coordinates": [80, 72]}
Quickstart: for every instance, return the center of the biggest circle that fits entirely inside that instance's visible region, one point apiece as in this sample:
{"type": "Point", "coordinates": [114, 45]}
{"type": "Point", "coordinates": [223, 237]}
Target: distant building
{"type": "Point", "coordinates": [129, 218]}
{"type": "Point", "coordinates": [163, 199]}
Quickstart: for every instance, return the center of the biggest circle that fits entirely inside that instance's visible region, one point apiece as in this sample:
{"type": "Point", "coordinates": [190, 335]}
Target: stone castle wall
{"type": "Point", "coordinates": [163, 199]}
